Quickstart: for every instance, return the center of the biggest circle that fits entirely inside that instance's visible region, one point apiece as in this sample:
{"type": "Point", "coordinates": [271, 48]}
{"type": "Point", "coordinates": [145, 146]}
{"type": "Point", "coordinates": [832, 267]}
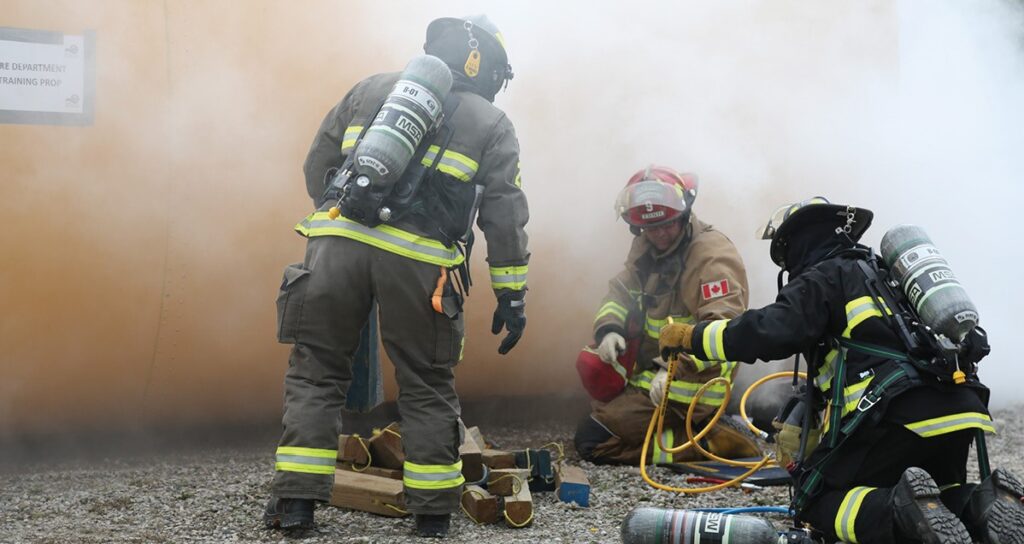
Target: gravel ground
{"type": "Point", "coordinates": [217, 495]}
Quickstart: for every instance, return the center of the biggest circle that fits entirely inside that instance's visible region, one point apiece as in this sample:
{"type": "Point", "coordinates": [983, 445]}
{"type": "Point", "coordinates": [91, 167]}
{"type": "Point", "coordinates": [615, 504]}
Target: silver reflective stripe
{"type": "Point", "coordinates": [432, 476]}
{"type": "Point", "coordinates": [305, 460]}
{"type": "Point", "coordinates": [824, 380]}
{"type": "Point", "coordinates": [714, 333]}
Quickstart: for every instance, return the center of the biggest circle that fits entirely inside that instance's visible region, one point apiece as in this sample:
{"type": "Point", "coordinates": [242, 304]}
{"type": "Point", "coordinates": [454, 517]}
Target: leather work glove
{"type": "Point", "coordinates": [658, 385]}
{"type": "Point", "coordinates": [675, 338]}
{"type": "Point", "coordinates": [611, 346]}
{"type": "Point", "coordinates": [510, 314]}
{"type": "Point", "coordinates": [976, 346]}
{"type": "Point", "coordinates": [787, 442]}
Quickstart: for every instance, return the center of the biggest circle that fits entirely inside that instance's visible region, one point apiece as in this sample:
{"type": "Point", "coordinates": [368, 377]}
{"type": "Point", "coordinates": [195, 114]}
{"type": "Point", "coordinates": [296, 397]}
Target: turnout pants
{"type": "Point", "coordinates": [614, 433]}
{"type": "Point", "coordinates": [323, 305]}
{"type": "Point", "coordinates": [855, 504]}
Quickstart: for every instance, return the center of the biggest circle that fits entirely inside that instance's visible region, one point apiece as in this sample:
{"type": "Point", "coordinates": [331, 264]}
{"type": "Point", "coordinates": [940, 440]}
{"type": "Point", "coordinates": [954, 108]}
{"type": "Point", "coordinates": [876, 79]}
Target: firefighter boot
{"type": "Point", "coordinates": [919, 514]}
{"type": "Point", "coordinates": [285, 513]}
{"type": "Point", "coordinates": [995, 512]}
{"type": "Point", "coordinates": [432, 525]}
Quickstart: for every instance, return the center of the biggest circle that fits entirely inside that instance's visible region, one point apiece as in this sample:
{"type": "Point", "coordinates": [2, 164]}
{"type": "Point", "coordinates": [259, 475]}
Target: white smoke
{"type": "Point", "coordinates": [911, 109]}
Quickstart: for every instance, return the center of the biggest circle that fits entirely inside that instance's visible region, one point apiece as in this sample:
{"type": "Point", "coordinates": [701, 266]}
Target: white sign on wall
{"type": "Point", "coordinates": [46, 77]}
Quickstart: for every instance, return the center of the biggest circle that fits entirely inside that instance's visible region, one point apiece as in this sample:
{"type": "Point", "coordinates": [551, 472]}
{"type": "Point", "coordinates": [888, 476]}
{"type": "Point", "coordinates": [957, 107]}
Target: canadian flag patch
{"type": "Point", "coordinates": [714, 289]}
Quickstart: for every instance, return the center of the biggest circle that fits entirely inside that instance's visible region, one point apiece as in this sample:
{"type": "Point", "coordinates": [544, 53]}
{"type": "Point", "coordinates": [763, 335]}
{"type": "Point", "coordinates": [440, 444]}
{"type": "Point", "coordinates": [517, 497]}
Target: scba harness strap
{"type": "Point", "coordinates": [901, 377]}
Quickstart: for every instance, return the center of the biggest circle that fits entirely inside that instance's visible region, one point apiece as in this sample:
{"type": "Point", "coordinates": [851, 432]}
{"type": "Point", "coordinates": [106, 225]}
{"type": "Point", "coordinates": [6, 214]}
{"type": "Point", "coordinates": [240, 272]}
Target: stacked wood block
{"type": "Point", "coordinates": [376, 494]}
{"type": "Point", "coordinates": [519, 508]}
{"type": "Point", "coordinates": [538, 462]}
{"type": "Point", "coordinates": [386, 448]}
{"type": "Point", "coordinates": [472, 460]}
{"type": "Point", "coordinates": [480, 506]}
{"type": "Point", "coordinates": [572, 484]}
{"type": "Point", "coordinates": [499, 484]}
{"type": "Point", "coordinates": [369, 473]}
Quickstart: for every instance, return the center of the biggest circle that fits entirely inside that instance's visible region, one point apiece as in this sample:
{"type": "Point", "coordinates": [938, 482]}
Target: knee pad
{"type": "Point", "coordinates": [589, 434]}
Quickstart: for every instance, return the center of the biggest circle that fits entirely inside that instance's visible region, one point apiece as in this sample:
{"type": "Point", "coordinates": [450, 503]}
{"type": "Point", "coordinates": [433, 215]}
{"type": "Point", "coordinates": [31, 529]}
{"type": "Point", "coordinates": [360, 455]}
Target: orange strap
{"type": "Point", "coordinates": [436, 298]}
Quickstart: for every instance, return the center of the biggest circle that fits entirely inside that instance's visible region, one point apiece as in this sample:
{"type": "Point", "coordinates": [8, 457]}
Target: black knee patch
{"type": "Point", "coordinates": [589, 434]}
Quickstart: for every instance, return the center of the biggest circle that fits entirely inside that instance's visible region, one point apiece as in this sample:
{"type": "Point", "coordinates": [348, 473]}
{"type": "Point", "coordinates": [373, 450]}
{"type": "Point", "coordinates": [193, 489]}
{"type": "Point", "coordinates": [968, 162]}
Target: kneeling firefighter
{"type": "Point", "coordinates": [678, 267]}
{"type": "Point", "coordinates": [399, 170]}
{"type": "Point", "coordinates": [904, 401]}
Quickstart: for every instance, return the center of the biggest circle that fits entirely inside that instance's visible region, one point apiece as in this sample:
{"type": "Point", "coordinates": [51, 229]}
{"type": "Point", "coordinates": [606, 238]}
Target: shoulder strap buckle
{"type": "Point", "coordinates": [867, 402]}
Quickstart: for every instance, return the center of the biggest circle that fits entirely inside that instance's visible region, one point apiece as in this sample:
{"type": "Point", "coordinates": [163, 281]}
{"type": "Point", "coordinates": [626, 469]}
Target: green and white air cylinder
{"type": "Point", "coordinates": [661, 526]}
{"type": "Point", "coordinates": [411, 110]}
{"type": "Point", "coordinates": [929, 283]}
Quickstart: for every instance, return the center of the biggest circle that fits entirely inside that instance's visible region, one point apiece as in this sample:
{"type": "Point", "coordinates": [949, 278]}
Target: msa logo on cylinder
{"type": "Point", "coordinates": [941, 274]}
{"type": "Point", "coordinates": [713, 523]}
{"type": "Point", "coordinates": [409, 127]}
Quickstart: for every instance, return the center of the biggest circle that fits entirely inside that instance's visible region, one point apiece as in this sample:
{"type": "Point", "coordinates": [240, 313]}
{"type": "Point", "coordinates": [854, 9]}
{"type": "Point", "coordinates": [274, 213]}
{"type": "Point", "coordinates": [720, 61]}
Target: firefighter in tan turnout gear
{"type": "Point", "coordinates": [678, 267]}
{"type": "Point", "coordinates": [411, 261]}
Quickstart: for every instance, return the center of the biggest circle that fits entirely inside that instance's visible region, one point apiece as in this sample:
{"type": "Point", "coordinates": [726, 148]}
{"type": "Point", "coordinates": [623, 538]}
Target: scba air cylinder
{"type": "Point", "coordinates": [659, 526]}
{"type": "Point", "coordinates": [410, 111]}
{"type": "Point", "coordinates": [930, 285]}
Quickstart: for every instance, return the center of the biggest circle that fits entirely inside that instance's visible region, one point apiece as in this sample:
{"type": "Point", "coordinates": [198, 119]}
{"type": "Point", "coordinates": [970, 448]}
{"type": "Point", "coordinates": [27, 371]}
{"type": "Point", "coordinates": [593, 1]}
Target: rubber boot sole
{"type": "Point", "coordinates": [919, 511]}
{"type": "Point", "coordinates": [287, 521]}
{"type": "Point", "coordinates": [1005, 523]}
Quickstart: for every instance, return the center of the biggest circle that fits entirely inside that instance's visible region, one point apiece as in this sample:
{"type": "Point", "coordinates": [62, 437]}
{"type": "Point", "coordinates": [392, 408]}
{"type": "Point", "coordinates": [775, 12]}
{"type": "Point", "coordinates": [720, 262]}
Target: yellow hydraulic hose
{"type": "Point", "coordinates": [658, 421]}
{"type": "Point", "coordinates": [743, 400]}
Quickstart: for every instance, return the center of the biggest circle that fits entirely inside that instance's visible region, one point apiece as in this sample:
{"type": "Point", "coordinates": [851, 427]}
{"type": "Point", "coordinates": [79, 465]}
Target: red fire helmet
{"type": "Point", "coordinates": [655, 196]}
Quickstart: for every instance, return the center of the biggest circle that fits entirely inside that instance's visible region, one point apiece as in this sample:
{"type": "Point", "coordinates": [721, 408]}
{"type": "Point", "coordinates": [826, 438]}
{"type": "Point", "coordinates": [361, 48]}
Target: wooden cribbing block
{"type": "Point", "coordinates": [393, 474]}
{"type": "Point", "coordinates": [506, 481]}
{"type": "Point", "coordinates": [472, 462]}
{"type": "Point", "coordinates": [352, 449]}
{"type": "Point", "coordinates": [572, 484]}
{"type": "Point", "coordinates": [375, 494]}
{"type": "Point", "coordinates": [474, 434]}
{"type": "Point", "coordinates": [386, 448]}
{"type": "Point", "coordinates": [519, 509]}
{"type": "Point", "coordinates": [542, 474]}
{"type": "Point", "coordinates": [481, 506]}
{"type": "Point", "coordinates": [499, 458]}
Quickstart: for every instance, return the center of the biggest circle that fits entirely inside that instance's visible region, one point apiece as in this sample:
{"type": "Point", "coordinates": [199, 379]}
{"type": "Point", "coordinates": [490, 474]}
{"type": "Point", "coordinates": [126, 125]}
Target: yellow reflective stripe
{"type": "Point", "coordinates": [714, 336]}
{"type": "Point", "coordinates": [727, 368]}
{"type": "Point", "coordinates": [307, 460]}
{"type": "Point", "coordinates": [287, 466]}
{"type": "Point", "coordinates": [350, 137]}
{"type": "Point", "coordinates": [508, 277]}
{"type": "Point", "coordinates": [653, 326]}
{"type": "Point", "coordinates": [307, 452]}
{"type": "Point", "coordinates": [518, 181]}
{"type": "Point", "coordinates": [455, 164]}
{"type": "Point", "coordinates": [642, 380]}
{"type": "Point", "coordinates": [824, 378]}
{"type": "Point", "coordinates": [661, 456]}
{"type": "Point", "coordinates": [611, 308]}
{"type": "Point", "coordinates": [852, 395]}
{"type": "Point", "coordinates": [683, 392]}
{"type": "Point", "coordinates": [418, 476]}
{"type": "Point", "coordinates": [952, 423]}
{"type": "Point", "coordinates": [386, 237]}
{"type": "Point", "coordinates": [846, 517]}
{"type": "Point", "coordinates": [859, 309]}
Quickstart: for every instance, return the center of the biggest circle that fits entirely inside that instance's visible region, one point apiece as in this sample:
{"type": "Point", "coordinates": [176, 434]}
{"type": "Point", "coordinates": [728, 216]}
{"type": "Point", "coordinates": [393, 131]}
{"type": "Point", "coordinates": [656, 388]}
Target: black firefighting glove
{"type": "Point", "coordinates": [510, 314]}
{"type": "Point", "coordinates": [975, 346]}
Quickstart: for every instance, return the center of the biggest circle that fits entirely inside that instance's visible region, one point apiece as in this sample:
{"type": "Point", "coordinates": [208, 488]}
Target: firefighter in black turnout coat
{"type": "Point", "coordinates": [891, 465]}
